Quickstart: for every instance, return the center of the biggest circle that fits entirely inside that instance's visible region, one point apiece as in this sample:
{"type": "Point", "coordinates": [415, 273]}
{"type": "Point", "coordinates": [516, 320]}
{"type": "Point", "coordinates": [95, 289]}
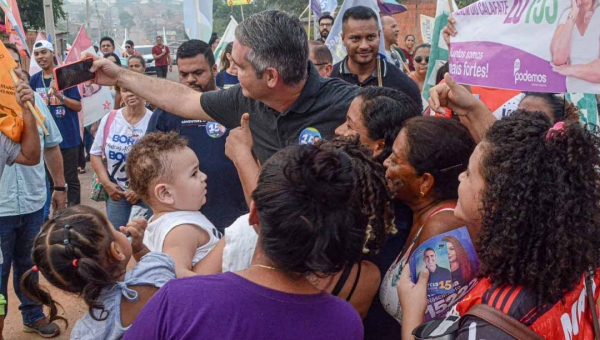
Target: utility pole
{"type": "Point", "coordinates": [49, 22]}
{"type": "Point", "coordinates": [87, 15]}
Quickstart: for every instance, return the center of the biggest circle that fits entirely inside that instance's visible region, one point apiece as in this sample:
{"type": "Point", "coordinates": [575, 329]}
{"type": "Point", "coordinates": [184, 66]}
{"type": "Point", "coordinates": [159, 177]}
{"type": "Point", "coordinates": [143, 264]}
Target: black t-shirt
{"type": "Point", "coordinates": [320, 109]}
{"type": "Point", "coordinates": [392, 78]}
{"type": "Point", "coordinates": [225, 200]}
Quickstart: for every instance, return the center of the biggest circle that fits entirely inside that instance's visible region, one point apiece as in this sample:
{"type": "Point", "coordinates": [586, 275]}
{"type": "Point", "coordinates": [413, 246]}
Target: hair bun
{"type": "Point", "coordinates": [324, 175]}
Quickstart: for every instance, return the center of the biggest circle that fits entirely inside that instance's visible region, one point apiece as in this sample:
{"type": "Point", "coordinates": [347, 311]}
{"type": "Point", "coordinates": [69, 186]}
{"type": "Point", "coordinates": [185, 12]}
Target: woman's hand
{"type": "Point", "coordinates": [565, 70]}
{"type": "Point", "coordinates": [452, 95]}
{"type": "Point", "coordinates": [575, 8]}
{"type": "Point", "coordinates": [449, 30]}
{"type": "Point", "coordinates": [132, 197]}
{"type": "Point", "coordinates": [114, 191]}
{"type": "Point", "coordinates": [413, 300]}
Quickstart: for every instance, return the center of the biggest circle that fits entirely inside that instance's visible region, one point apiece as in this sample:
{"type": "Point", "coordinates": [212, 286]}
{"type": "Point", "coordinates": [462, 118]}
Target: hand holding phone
{"type": "Point", "coordinates": [70, 75]}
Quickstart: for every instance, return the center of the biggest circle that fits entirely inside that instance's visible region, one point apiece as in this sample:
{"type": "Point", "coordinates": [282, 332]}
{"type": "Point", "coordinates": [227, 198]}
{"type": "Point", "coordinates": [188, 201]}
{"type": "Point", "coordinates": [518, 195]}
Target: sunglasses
{"type": "Point", "coordinates": [127, 46]}
{"type": "Point", "coordinates": [419, 59]}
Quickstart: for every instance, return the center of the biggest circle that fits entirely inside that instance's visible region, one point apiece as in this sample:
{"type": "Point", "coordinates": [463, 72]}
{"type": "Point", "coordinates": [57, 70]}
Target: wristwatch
{"type": "Point", "coordinates": [62, 99]}
{"type": "Point", "coordinates": [65, 188]}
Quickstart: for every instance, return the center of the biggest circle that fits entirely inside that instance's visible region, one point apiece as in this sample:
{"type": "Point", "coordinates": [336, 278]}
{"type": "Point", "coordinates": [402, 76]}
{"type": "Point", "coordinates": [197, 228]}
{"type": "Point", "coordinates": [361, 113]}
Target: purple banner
{"type": "Point", "coordinates": [496, 65]}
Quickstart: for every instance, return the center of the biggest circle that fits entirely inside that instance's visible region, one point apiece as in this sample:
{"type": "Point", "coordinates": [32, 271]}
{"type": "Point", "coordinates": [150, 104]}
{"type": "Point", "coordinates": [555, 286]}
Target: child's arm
{"type": "Point", "coordinates": [136, 229]}
{"type": "Point", "coordinates": [212, 263]}
{"type": "Point", "coordinates": [181, 244]}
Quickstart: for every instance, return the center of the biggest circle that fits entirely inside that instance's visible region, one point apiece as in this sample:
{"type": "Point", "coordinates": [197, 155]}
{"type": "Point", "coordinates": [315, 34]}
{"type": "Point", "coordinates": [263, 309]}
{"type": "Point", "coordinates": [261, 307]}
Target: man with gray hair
{"type": "Point", "coordinates": [288, 102]}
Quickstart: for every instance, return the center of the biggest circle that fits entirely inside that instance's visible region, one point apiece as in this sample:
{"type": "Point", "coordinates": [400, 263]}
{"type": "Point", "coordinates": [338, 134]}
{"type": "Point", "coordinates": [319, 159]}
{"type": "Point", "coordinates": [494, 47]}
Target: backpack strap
{"type": "Point", "coordinates": [506, 323]}
{"type": "Point", "coordinates": [111, 118]}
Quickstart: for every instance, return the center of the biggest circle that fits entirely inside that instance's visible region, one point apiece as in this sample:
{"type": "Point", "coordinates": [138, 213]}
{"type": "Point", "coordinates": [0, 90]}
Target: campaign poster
{"type": "Point", "coordinates": [528, 45]}
{"type": "Point", "coordinates": [453, 264]}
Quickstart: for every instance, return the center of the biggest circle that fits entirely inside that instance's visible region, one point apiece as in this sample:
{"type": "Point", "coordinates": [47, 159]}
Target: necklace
{"type": "Point", "coordinates": [263, 266]}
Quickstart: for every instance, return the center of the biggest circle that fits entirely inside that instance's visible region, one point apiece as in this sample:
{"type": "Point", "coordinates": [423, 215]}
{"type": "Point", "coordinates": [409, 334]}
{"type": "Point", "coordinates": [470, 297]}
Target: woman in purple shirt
{"type": "Point", "coordinates": [307, 209]}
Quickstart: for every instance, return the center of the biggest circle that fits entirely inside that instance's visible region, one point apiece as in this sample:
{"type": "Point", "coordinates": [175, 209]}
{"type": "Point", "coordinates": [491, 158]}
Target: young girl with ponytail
{"type": "Point", "coordinates": [79, 251]}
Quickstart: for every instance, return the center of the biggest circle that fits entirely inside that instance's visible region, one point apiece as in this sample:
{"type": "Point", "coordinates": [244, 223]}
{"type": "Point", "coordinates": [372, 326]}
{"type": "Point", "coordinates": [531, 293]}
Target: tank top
{"type": "Point", "coordinates": [157, 230]}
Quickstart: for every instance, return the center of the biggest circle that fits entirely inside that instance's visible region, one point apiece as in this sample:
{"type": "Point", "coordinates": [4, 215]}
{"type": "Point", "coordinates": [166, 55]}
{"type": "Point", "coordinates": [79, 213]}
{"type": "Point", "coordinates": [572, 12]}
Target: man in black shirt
{"type": "Point", "coordinates": [363, 66]}
{"type": "Point", "coordinates": [325, 25]}
{"type": "Point", "coordinates": [287, 101]}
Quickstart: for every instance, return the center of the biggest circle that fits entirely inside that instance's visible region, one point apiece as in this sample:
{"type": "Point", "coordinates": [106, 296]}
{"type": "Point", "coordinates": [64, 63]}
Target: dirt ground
{"type": "Point", "coordinates": [73, 307]}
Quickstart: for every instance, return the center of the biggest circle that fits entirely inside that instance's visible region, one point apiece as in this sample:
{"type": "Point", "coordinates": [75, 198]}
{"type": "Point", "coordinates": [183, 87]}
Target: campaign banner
{"type": "Point", "coordinates": [427, 24]}
{"type": "Point", "coordinates": [528, 45]}
{"type": "Point", "coordinates": [439, 50]}
{"type": "Point", "coordinates": [452, 263]}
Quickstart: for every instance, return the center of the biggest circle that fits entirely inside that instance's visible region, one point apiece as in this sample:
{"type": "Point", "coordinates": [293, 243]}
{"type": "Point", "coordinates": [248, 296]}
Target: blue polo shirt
{"type": "Point", "coordinates": [66, 119]}
{"type": "Point", "coordinates": [225, 198]}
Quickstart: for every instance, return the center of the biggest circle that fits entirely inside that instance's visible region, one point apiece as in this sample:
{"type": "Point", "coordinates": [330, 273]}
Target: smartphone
{"type": "Point", "coordinates": [69, 75]}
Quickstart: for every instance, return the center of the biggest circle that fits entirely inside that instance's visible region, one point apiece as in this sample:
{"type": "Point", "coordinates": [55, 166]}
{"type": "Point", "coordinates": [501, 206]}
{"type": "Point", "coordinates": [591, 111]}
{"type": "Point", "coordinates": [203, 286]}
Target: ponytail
{"type": "Point", "coordinates": [32, 290]}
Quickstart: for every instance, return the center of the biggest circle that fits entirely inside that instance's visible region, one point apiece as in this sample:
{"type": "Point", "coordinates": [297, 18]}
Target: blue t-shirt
{"type": "Point", "coordinates": [225, 198]}
{"type": "Point", "coordinates": [66, 119]}
{"type": "Point", "coordinates": [226, 80]}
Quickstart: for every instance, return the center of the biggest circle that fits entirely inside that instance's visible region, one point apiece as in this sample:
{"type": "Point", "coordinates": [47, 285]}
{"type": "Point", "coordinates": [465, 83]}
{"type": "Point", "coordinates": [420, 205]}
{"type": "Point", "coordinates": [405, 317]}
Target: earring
{"type": "Point", "coordinates": [422, 194]}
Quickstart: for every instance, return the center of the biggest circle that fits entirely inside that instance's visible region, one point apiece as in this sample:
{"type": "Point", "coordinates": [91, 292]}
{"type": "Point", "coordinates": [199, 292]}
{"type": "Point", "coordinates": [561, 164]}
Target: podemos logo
{"type": "Point", "coordinates": [526, 76]}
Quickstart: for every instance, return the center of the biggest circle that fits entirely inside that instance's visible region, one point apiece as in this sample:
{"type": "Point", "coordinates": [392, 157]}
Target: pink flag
{"type": "Point", "coordinates": [14, 26]}
{"type": "Point", "coordinates": [96, 100]}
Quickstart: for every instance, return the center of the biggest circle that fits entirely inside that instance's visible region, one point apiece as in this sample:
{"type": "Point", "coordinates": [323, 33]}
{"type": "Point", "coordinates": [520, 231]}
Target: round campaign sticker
{"type": "Point", "coordinates": [309, 136]}
{"type": "Point", "coordinates": [59, 112]}
{"type": "Point", "coordinates": [215, 130]}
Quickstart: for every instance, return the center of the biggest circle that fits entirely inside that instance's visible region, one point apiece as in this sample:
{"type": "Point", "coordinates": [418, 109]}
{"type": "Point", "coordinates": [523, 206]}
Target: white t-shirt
{"type": "Point", "coordinates": [121, 137]}
{"type": "Point", "coordinates": [240, 243]}
{"type": "Point", "coordinates": [157, 231]}
{"type": "Point", "coordinates": [584, 49]}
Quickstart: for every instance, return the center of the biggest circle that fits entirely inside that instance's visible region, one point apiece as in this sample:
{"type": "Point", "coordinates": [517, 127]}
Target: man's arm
{"type": "Point", "coordinates": [30, 139]}
{"type": "Point", "coordinates": [54, 163]}
{"type": "Point", "coordinates": [169, 96]}
{"type": "Point", "coordinates": [72, 104]}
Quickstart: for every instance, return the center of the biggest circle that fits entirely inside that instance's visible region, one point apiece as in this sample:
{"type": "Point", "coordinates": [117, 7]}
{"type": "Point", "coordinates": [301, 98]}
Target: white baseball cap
{"type": "Point", "coordinates": [42, 44]}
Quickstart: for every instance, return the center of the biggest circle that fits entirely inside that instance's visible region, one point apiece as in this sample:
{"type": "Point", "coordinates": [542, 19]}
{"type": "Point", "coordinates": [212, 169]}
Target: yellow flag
{"type": "Point", "coordinates": [10, 112]}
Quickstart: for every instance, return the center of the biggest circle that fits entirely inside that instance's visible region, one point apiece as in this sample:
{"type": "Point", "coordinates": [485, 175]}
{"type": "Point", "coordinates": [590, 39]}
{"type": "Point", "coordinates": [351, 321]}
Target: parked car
{"type": "Point", "coordinates": [146, 52]}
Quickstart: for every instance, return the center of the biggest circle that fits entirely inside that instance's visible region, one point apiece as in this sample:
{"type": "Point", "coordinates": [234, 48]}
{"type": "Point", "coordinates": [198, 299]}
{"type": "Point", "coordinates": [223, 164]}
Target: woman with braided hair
{"type": "Point", "coordinates": [317, 209]}
{"type": "Point", "coordinates": [531, 189]}
{"type": "Point", "coordinates": [358, 281]}
{"type": "Point", "coordinates": [80, 252]}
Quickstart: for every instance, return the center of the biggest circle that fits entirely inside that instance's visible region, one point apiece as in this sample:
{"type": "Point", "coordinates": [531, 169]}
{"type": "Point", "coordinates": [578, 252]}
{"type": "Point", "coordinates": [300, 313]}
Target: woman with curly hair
{"type": "Point", "coordinates": [459, 260]}
{"type": "Point", "coordinates": [358, 281]}
{"type": "Point", "coordinates": [532, 190]}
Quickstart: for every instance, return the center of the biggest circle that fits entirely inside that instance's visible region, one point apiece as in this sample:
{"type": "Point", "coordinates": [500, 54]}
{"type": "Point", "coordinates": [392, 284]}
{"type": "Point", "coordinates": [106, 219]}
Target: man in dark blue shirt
{"type": "Point", "coordinates": [225, 200]}
{"type": "Point", "coordinates": [64, 107]}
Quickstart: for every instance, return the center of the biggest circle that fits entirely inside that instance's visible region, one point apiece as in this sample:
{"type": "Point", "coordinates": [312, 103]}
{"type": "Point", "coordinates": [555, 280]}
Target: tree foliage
{"type": "Point", "coordinates": [465, 3]}
{"type": "Point", "coordinates": [222, 12]}
{"type": "Point", "coordinates": [32, 13]}
{"type": "Point", "coordinates": [126, 19]}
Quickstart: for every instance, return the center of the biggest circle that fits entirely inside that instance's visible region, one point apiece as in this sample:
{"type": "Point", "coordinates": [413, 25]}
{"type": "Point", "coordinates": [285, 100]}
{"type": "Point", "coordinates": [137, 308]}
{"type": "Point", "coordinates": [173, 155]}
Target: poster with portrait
{"type": "Point", "coordinates": [453, 264]}
{"type": "Point", "coordinates": [433, 256]}
{"type": "Point", "coordinates": [528, 45]}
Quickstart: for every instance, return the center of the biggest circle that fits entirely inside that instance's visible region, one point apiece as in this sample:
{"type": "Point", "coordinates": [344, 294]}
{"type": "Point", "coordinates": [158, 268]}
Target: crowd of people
{"type": "Point", "coordinates": [283, 196]}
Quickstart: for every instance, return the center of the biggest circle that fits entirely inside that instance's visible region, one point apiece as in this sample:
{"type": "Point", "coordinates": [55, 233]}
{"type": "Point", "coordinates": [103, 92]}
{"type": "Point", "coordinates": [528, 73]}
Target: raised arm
{"type": "Point", "coordinates": [472, 111]}
{"type": "Point", "coordinates": [561, 42]}
{"type": "Point", "coordinates": [30, 140]}
{"type": "Point", "coordinates": [169, 96]}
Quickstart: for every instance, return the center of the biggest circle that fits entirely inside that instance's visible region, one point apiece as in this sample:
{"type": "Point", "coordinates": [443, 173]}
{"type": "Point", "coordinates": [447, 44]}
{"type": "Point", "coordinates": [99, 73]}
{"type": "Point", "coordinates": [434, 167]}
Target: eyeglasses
{"type": "Point", "coordinates": [321, 64]}
{"type": "Point", "coordinates": [419, 59]}
{"type": "Point", "coordinates": [128, 47]}
{"type": "Point", "coordinates": [325, 25]}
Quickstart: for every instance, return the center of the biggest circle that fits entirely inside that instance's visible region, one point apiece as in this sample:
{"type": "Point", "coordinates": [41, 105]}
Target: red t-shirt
{"type": "Point", "coordinates": [162, 61]}
{"type": "Point", "coordinates": [569, 319]}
